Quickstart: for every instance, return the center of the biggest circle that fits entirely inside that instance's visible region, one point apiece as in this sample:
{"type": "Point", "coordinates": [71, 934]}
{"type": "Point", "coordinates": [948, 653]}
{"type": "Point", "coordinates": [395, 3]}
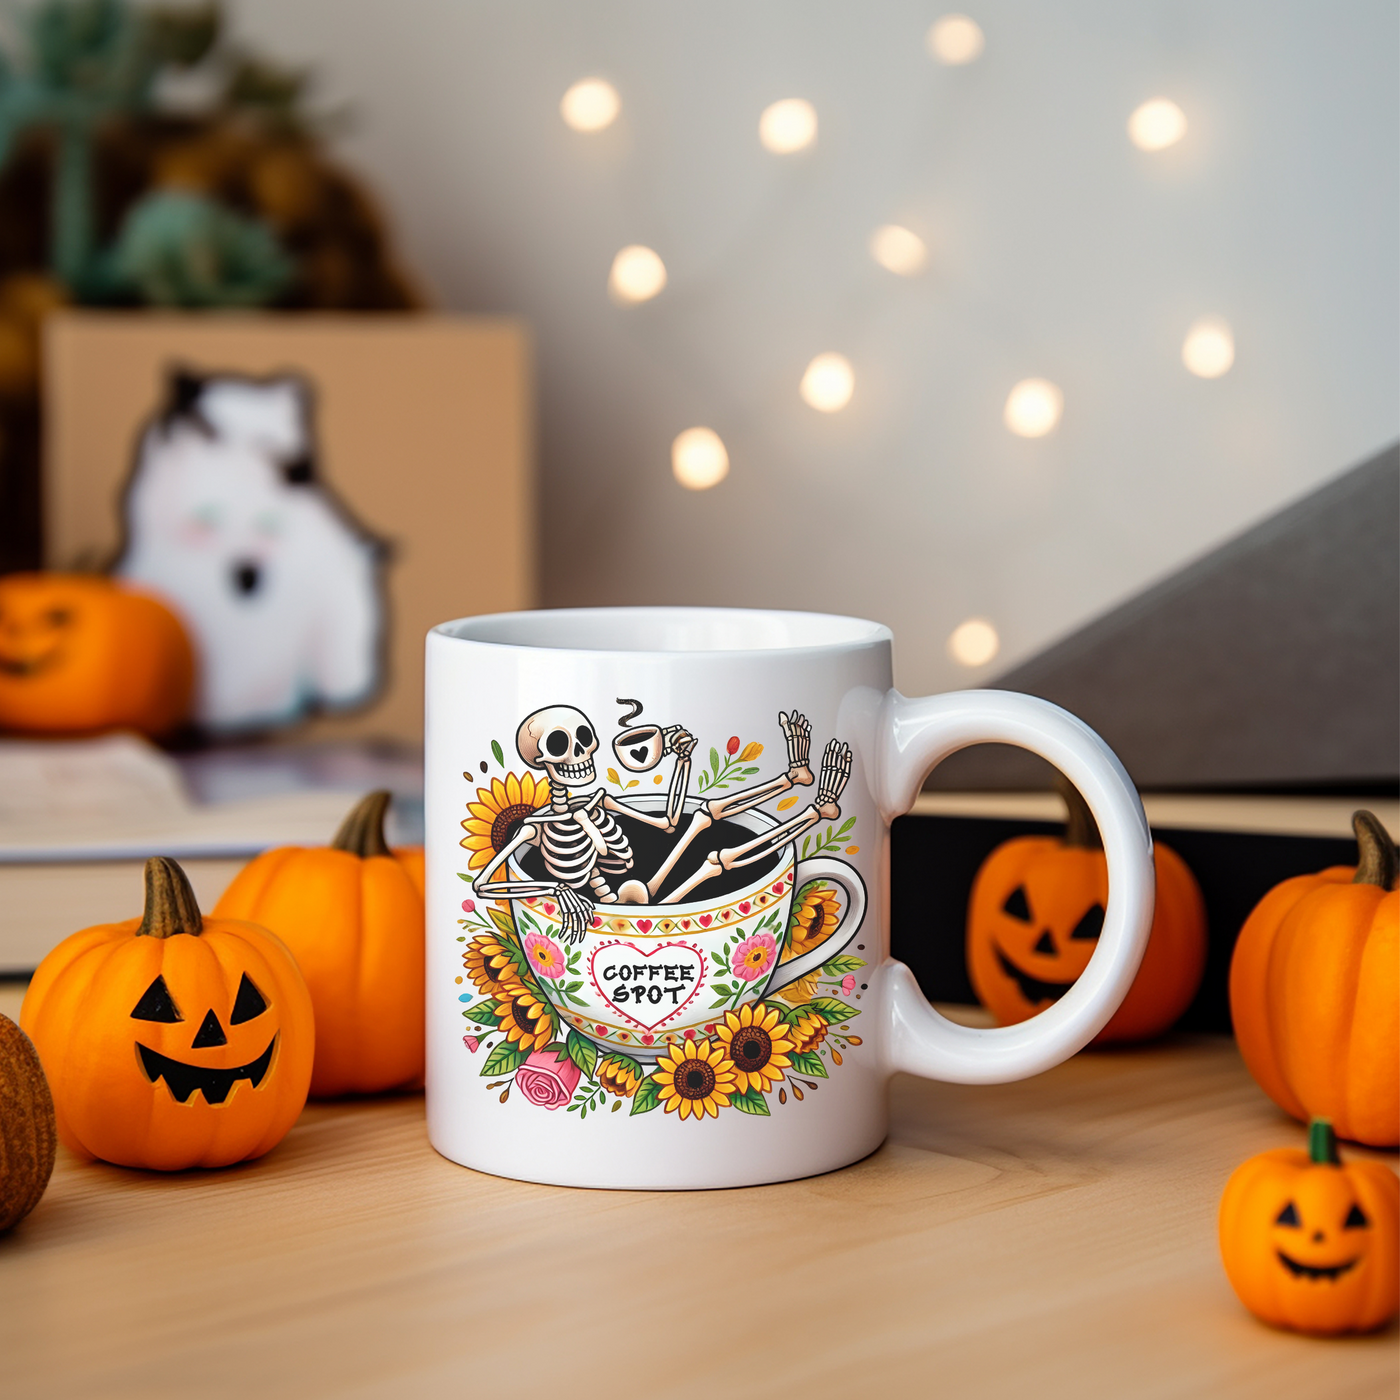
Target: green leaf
{"type": "Point", "coordinates": [467, 878]}
{"type": "Point", "coordinates": [504, 1059]}
{"type": "Point", "coordinates": [502, 921]}
{"type": "Point", "coordinates": [791, 1014]}
{"type": "Point", "coordinates": [838, 967]}
{"type": "Point", "coordinates": [496, 749]}
{"type": "Point", "coordinates": [714, 761]}
{"type": "Point", "coordinates": [646, 1098]}
{"type": "Point", "coordinates": [484, 1013]}
{"type": "Point", "coordinates": [577, 1001]}
{"type": "Point", "coordinates": [809, 1063]}
{"type": "Point", "coordinates": [626, 1061]}
{"type": "Point", "coordinates": [833, 1009]}
{"type": "Point", "coordinates": [583, 1053]}
{"type": "Point", "coordinates": [750, 1102]}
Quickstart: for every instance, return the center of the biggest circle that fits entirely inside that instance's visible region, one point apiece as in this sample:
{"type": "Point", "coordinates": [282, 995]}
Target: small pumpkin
{"type": "Point", "coordinates": [1310, 1244]}
{"type": "Point", "coordinates": [1314, 994]}
{"type": "Point", "coordinates": [172, 1040]}
{"type": "Point", "coordinates": [81, 653]}
{"type": "Point", "coordinates": [353, 914]}
{"type": "Point", "coordinates": [1034, 919]}
{"type": "Point", "coordinates": [27, 1133]}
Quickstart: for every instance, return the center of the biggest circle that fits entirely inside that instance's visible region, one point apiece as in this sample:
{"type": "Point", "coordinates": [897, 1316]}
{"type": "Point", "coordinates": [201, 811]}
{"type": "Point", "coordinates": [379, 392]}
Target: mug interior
{"type": "Point", "coordinates": [666, 630]}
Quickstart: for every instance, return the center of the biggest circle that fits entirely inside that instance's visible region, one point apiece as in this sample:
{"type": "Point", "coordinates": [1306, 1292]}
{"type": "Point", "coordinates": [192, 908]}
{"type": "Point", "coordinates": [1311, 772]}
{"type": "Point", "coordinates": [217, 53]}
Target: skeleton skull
{"type": "Point", "coordinates": [562, 741]}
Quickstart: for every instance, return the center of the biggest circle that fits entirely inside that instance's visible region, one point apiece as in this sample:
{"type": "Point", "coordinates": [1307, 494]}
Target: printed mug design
{"type": "Point", "coordinates": [668, 949]}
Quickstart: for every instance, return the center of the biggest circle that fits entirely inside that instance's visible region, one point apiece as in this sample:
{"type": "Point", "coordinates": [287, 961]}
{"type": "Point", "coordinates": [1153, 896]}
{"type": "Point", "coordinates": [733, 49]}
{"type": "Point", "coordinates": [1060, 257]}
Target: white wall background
{"type": "Point", "coordinates": [1058, 250]}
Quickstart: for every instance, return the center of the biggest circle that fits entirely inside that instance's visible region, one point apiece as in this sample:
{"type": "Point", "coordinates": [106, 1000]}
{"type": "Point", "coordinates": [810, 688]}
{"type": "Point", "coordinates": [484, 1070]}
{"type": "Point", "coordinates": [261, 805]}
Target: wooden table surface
{"type": "Point", "coordinates": [1045, 1239]}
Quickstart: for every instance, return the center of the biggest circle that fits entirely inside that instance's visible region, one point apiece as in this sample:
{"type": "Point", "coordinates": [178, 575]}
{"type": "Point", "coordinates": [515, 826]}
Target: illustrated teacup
{"type": "Point", "coordinates": [657, 885]}
{"type": "Point", "coordinates": [644, 977]}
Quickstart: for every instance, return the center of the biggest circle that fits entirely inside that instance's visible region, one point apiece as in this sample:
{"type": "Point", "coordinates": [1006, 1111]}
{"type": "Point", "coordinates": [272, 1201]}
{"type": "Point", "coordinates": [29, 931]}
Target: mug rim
{"type": "Point", "coordinates": [807, 632]}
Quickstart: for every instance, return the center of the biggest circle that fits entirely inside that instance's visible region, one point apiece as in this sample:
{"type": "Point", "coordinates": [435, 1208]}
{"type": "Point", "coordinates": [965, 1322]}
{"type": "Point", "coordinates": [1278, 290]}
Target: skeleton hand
{"type": "Point", "coordinates": [678, 741]}
{"type": "Point", "coordinates": [797, 730]}
{"type": "Point", "coordinates": [575, 913]}
{"type": "Point", "coordinates": [836, 770]}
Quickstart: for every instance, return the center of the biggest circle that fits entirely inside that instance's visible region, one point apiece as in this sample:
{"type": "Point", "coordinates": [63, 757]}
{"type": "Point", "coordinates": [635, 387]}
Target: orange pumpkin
{"type": "Point", "coordinates": [172, 1041]}
{"type": "Point", "coordinates": [81, 653]}
{"type": "Point", "coordinates": [1034, 918]}
{"type": "Point", "coordinates": [1315, 997]}
{"type": "Point", "coordinates": [1310, 1244]}
{"type": "Point", "coordinates": [353, 915]}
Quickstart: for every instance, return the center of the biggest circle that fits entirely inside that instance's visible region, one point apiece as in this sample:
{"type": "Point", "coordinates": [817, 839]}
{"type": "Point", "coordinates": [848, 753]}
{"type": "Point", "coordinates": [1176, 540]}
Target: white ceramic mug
{"type": "Point", "coordinates": [657, 865]}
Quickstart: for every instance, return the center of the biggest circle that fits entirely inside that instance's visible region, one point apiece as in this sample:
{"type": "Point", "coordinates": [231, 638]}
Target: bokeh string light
{"type": "Point", "coordinates": [1209, 348]}
{"type": "Point", "coordinates": [898, 249]}
{"type": "Point", "coordinates": [828, 383]}
{"type": "Point", "coordinates": [788, 126]}
{"type": "Point", "coordinates": [1033, 408]}
{"type": "Point", "coordinates": [974, 642]}
{"type": "Point", "coordinates": [590, 105]}
{"type": "Point", "coordinates": [1156, 125]}
{"type": "Point", "coordinates": [699, 459]}
{"type": "Point", "coordinates": [637, 274]}
{"type": "Point", "coordinates": [955, 40]}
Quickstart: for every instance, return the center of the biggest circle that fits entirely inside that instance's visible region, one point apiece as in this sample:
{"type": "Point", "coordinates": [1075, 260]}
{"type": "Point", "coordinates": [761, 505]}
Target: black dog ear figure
{"type": "Point", "coordinates": [182, 404]}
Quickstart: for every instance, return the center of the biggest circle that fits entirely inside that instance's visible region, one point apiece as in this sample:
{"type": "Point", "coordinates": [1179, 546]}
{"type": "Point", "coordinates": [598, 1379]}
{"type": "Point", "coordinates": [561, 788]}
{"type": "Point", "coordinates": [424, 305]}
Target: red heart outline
{"type": "Point", "coordinates": [618, 1010]}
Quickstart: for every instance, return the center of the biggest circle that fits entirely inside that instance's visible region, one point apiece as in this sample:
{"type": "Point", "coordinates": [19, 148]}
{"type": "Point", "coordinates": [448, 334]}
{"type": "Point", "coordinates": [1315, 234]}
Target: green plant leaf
{"type": "Point", "coordinates": [496, 750]}
{"type": "Point", "coordinates": [467, 878]}
{"type": "Point", "coordinates": [838, 967]}
{"type": "Point", "coordinates": [833, 1009]}
{"type": "Point", "coordinates": [504, 1059]}
{"type": "Point", "coordinates": [582, 1052]}
{"type": "Point", "coordinates": [646, 1098]}
{"type": "Point", "coordinates": [750, 1102]}
{"type": "Point", "coordinates": [809, 1062]}
{"type": "Point", "coordinates": [714, 761]}
{"type": "Point", "coordinates": [501, 920]}
{"type": "Point", "coordinates": [483, 1013]}
{"type": "Point", "coordinates": [791, 1014]}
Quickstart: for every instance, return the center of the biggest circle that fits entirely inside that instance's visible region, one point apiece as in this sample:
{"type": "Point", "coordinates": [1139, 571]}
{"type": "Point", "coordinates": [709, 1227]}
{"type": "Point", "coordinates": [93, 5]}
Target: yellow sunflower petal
{"type": "Point", "coordinates": [687, 1107]}
{"type": "Point", "coordinates": [499, 795]}
{"type": "Point", "coordinates": [482, 813]}
{"type": "Point", "coordinates": [512, 790]}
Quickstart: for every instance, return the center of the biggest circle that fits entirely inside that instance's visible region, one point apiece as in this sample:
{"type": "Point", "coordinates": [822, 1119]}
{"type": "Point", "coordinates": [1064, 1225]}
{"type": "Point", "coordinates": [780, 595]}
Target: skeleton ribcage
{"type": "Point", "coordinates": [570, 855]}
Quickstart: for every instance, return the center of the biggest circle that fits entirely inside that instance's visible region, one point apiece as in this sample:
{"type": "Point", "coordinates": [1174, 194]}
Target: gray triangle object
{"type": "Point", "coordinates": [1272, 663]}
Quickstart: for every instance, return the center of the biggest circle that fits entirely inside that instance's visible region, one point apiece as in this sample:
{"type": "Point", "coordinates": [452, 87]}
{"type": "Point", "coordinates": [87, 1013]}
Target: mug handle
{"type": "Point", "coordinates": [839, 873]}
{"type": "Point", "coordinates": [914, 736]}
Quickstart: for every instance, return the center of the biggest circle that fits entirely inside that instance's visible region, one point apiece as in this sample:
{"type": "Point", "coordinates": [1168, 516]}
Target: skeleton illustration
{"type": "Point", "coordinates": [586, 851]}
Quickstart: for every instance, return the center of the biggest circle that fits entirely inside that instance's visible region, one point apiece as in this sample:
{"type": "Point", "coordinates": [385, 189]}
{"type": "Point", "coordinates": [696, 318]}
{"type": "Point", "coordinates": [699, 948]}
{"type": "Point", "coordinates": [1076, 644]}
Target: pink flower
{"type": "Point", "coordinates": [732, 747]}
{"type": "Point", "coordinates": [848, 984]}
{"type": "Point", "coordinates": [754, 956]}
{"type": "Point", "coordinates": [471, 1042]}
{"type": "Point", "coordinates": [545, 955]}
{"type": "Point", "coordinates": [468, 907]}
{"type": "Point", "coordinates": [548, 1080]}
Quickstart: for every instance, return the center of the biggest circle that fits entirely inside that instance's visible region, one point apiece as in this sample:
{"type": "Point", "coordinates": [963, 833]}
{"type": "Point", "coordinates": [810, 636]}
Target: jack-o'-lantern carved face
{"type": "Point", "coordinates": [1310, 1243]}
{"type": "Point", "coordinates": [81, 653]}
{"type": "Point", "coordinates": [218, 1055]}
{"type": "Point", "coordinates": [195, 1038]}
{"type": "Point", "coordinates": [1048, 929]}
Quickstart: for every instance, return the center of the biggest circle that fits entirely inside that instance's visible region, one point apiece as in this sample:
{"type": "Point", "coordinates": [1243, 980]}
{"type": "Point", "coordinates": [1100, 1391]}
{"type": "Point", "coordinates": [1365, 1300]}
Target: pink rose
{"type": "Point", "coordinates": [848, 984]}
{"type": "Point", "coordinates": [469, 906]}
{"type": "Point", "coordinates": [547, 1080]}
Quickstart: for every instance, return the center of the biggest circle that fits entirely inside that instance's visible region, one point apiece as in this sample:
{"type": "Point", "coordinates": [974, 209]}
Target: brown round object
{"type": "Point", "coordinates": [30, 296]}
{"type": "Point", "coordinates": [287, 185]}
{"type": "Point", "coordinates": [27, 1129]}
{"type": "Point", "coordinates": [19, 357]}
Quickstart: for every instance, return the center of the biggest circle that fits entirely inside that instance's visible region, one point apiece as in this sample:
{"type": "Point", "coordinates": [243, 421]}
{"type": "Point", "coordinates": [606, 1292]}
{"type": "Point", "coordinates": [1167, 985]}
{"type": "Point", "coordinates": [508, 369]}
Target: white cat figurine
{"type": "Point", "coordinates": [280, 587]}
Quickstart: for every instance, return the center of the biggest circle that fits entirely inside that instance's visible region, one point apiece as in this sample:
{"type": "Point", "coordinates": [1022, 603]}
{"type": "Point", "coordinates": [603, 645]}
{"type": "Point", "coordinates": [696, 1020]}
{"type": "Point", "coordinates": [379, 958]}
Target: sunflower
{"type": "Point", "coordinates": [695, 1078]}
{"type": "Point", "coordinates": [527, 1019]}
{"type": "Point", "coordinates": [816, 915]}
{"type": "Point", "coordinates": [619, 1075]}
{"type": "Point", "coordinates": [809, 1032]}
{"type": "Point", "coordinates": [802, 991]}
{"type": "Point", "coordinates": [497, 813]}
{"type": "Point", "coordinates": [758, 1044]}
{"type": "Point", "coordinates": [490, 965]}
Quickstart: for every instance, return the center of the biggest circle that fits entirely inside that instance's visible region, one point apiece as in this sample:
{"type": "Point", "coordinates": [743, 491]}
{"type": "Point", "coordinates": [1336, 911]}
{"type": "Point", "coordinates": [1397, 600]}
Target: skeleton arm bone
{"type": "Point", "coordinates": [681, 743]}
{"type": "Point", "coordinates": [575, 911]}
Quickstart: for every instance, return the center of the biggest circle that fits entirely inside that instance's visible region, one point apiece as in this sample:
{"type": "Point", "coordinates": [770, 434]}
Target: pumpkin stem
{"type": "Point", "coordinates": [1322, 1143]}
{"type": "Point", "coordinates": [362, 832]}
{"type": "Point", "coordinates": [1081, 830]}
{"type": "Point", "coordinates": [1378, 863]}
{"type": "Point", "coordinates": [171, 907]}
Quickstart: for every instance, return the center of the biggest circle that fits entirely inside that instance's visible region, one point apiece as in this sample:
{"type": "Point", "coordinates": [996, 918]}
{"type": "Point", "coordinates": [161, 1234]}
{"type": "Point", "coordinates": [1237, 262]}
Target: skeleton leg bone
{"type": "Point", "coordinates": [836, 771]}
